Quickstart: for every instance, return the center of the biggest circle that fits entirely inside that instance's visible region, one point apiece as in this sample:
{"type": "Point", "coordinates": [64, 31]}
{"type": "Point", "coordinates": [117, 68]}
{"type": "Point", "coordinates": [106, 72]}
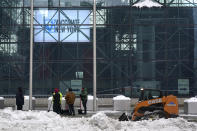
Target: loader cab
{"type": "Point", "coordinates": [148, 94]}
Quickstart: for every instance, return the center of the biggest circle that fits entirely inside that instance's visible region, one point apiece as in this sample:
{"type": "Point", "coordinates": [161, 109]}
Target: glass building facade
{"type": "Point", "coordinates": [136, 47]}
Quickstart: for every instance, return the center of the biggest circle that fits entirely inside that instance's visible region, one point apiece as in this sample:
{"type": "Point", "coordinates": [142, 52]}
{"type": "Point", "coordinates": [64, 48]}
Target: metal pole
{"type": "Point", "coordinates": [94, 55]}
{"type": "Point", "coordinates": [31, 57]}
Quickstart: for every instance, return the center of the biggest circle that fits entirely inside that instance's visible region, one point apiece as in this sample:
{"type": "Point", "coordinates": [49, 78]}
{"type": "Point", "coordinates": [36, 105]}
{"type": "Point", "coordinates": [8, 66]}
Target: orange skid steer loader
{"type": "Point", "coordinates": [153, 105]}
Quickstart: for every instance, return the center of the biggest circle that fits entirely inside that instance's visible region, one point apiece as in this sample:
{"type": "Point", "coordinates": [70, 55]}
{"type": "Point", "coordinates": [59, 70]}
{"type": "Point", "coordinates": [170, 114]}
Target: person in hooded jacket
{"type": "Point", "coordinates": [70, 100]}
{"type": "Point", "coordinates": [84, 99]}
{"type": "Point", "coordinates": [57, 98]}
{"type": "Point", "coordinates": [19, 99]}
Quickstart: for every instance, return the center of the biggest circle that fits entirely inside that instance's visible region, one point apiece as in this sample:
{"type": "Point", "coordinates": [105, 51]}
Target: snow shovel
{"type": "Point", "coordinates": [80, 110]}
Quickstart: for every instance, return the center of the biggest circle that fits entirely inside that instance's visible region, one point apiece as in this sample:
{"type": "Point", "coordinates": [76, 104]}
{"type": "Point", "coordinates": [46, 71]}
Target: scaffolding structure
{"type": "Point", "coordinates": [136, 47]}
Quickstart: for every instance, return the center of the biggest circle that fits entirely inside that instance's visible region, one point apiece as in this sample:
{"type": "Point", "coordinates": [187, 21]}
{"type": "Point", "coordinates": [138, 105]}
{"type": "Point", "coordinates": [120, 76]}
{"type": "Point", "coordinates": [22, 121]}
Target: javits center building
{"type": "Point", "coordinates": [136, 47]}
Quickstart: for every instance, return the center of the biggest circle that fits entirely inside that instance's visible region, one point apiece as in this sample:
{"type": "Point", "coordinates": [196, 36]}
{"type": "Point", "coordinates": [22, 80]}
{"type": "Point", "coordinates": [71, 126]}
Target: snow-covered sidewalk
{"type": "Point", "coordinates": [12, 120]}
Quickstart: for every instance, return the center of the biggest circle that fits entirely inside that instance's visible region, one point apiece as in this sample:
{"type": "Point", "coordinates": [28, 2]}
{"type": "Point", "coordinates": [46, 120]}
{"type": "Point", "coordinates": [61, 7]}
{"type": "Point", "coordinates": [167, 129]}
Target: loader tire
{"type": "Point", "coordinates": [153, 115]}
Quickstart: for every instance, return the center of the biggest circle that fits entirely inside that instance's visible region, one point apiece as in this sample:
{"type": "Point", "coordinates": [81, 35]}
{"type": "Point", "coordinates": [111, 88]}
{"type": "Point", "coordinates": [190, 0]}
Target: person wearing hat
{"type": "Point", "coordinates": [84, 99]}
{"type": "Point", "coordinates": [70, 100]}
{"type": "Point", "coordinates": [57, 99]}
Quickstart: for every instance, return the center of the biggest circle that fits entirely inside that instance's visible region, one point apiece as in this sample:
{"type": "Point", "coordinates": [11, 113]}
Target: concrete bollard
{"type": "Point", "coordinates": [26, 103]}
{"type": "Point", "coordinates": [1, 102]}
{"type": "Point", "coordinates": [121, 103]}
{"type": "Point", "coordinates": [190, 105]}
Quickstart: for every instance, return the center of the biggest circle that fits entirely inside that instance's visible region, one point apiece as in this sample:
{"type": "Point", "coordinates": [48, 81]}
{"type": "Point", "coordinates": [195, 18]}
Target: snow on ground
{"type": "Point", "coordinates": [13, 120]}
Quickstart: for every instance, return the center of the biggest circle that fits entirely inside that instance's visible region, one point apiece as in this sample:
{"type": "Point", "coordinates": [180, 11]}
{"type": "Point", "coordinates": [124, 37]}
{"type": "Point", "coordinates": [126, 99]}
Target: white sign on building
{"type": "Point", "coordinates": [62, 26]}
{"type": "Point", "coordinates": [76, 86]}
{"type": "Point", "coordinates": [183, 86]}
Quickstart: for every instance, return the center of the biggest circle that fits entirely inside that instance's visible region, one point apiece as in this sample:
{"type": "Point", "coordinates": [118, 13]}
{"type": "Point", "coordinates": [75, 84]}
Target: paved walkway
{"type": "Point", "coordinates": [116, 114]}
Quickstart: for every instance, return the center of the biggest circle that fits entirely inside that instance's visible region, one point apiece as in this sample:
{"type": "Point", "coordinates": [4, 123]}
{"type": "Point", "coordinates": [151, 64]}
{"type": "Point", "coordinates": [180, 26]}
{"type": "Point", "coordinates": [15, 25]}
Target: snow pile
{"type": "Point", "coordinates": [102, 122]}
{"type": "Point", "coordinates": [13, 120]}
{"type": "Point", "coordinates": [27, 98]}
{"type": "Point", "coordinates": [1, 98]}
{"type": "Point", "coordinates": [50, 98]}
{"type": "Point", "coordinates": [192, 99]}
{"type": "Point", "coordinates": [91, 97]}
{"type": "Point", "coordinates": [175, 124]}
{"type": "Point", "coordinates": [121, 97]}
{"type": "Point", "coordinates": [39, 121]}
{"type": "Point", "coordinates": [147, 3]}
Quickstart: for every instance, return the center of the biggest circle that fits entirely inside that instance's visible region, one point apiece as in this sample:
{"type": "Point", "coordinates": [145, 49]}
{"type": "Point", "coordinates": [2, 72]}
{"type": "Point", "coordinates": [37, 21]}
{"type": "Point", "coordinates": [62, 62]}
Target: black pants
{"type": "Point", "coordinates": [71, 109]}
{"type": "Point", "coordinates": [57, 108]}
{"type": "Point", "coordinates": [84, 102]}
{"type": "Point", "coordinates": [19, 107]}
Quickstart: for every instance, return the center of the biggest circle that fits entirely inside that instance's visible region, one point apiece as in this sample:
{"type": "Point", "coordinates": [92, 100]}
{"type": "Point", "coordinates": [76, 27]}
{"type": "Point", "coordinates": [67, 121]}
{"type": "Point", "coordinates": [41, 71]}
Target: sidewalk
{"type": "Point", "coordinates": [116, 114]}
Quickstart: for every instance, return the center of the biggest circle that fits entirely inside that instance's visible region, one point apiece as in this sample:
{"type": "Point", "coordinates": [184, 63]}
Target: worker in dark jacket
{"type": "Point", "coordinates": [57, 98]}
{"type": "Point", "coordinates": [19, 99]}
{"type": "Point", "coordinates": [70, 100]}
{"type": "Point", "coordinates": [84, 99]}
